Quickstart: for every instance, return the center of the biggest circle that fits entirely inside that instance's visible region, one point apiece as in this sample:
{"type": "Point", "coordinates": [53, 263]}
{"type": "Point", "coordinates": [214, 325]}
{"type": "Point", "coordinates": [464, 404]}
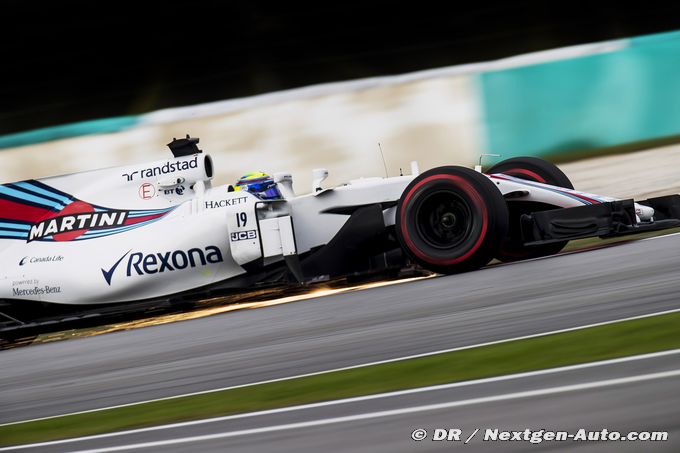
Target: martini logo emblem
{"type": "Point", "coordinates": [74, 221]}
{"type": "Point", "coordinates": [33, 211]}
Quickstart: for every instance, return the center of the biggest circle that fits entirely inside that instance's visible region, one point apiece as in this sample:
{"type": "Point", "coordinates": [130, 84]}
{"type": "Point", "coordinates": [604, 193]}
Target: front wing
{"type": "Point", "coordinates": [614, 218]}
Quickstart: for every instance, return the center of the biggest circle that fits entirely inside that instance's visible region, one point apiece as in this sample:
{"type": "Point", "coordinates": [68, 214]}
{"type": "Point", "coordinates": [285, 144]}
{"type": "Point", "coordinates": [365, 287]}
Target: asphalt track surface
{"type": "Point", "coordinates": [565, 400]}
{"type": "Point", "coordinates": [341, 330]}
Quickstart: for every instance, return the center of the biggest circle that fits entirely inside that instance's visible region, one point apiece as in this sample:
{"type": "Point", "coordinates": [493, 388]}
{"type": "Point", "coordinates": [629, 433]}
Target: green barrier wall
{"type": "Point", "coordinates": [102, 126]}
{"type": "Point", "coordinates": [625, 96]}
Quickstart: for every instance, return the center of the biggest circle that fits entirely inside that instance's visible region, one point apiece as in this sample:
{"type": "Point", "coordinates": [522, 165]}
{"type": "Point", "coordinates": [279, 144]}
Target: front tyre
{"type": "Point", "coordinates": [451, 219]}
{"type": "Point", "coordinates": [529, 169]}
{"type": "Point", "coordinates": [532, 169]}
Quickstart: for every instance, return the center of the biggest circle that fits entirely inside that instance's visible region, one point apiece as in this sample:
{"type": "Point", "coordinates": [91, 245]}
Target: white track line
{"type": "Point", "coordinates": [351, 367]}
{"type": "Point", "coordinates": [659, 237]}
{"type": "Point", "coordinates": [394, 412]}
{"type": "Point", "coordinates": [357, 399]}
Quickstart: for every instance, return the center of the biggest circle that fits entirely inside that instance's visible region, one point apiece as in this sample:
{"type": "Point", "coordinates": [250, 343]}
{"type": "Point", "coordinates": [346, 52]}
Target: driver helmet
{"type": "Point", "coordinates": [259, 184]}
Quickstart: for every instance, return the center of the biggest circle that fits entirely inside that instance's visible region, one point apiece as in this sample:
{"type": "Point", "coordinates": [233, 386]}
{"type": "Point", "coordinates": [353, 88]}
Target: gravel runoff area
{"type": "Point", "coordinates": [638, 175]}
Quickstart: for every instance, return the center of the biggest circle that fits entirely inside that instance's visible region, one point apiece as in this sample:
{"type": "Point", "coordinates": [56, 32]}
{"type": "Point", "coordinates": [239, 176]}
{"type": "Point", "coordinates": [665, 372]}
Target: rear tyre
{"type": "Point", "coordinates": [451, 219]}
{"type": "Point", "coordinates": [530, 169]}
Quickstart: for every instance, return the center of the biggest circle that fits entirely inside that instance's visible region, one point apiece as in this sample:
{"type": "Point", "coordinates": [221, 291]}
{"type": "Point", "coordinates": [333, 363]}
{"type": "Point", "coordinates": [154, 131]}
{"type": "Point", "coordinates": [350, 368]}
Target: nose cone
{"type": "Point", "coordinates": [644, 212]}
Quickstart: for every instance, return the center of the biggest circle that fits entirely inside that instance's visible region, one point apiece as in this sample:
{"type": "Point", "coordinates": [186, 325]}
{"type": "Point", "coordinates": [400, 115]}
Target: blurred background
{"type": "Point", "coordinates": [293, 87]}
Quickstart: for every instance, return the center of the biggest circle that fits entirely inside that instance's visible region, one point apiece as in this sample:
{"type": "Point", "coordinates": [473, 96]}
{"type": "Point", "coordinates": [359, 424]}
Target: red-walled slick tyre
{"type": "Point", "coordinates": [451, 219]}
{"type": "Point", "coordinates": [530, 169]}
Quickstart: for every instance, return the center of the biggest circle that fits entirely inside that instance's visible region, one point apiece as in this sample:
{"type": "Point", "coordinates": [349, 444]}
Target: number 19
{"type": "Point", "coordinates": [241, 219]}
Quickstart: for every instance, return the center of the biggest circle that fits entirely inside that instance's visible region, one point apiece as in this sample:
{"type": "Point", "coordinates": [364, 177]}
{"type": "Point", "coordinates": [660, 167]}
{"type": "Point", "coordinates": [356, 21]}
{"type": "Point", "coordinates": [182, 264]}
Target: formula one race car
{"type": "Point", "coordinates": [160, 230]}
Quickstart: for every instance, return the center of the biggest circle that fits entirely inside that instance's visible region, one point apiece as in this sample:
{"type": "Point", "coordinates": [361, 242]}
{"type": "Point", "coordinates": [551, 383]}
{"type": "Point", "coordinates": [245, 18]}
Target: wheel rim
{"type": "Point", "coordinates": [443, 219]}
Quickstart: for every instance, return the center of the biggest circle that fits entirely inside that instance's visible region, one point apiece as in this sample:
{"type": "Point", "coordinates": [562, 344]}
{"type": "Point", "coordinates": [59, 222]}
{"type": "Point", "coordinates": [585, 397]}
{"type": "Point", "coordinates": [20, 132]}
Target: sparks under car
{"type": "Point", "coordinates": [161, 230]}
